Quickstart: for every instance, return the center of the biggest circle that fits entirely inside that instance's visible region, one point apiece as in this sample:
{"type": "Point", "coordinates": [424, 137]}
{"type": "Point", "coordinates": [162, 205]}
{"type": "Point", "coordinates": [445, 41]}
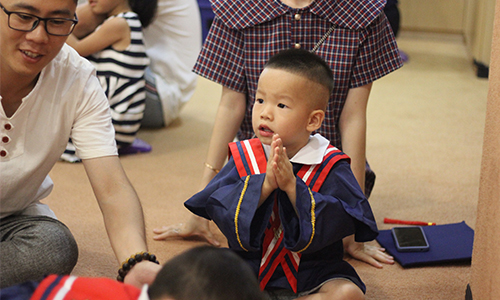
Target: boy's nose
{"type": "Point", "coordinates": [266, 113]}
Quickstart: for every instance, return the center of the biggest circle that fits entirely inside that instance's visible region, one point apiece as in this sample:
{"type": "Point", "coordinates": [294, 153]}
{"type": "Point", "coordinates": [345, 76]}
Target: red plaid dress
{"type": "Point", "coordinates": [245, 34]}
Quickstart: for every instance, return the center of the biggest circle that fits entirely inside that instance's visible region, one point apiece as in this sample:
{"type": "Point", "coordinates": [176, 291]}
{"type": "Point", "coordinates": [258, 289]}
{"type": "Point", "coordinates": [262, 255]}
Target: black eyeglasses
{"type": "Point", "coordinates": [27, 22]}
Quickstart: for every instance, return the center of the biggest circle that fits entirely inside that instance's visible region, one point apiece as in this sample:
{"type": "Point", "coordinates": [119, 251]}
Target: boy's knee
{"type": "Point", "coordinates": [351, 292]}
{"type": "Point", "coordinates": [343, 289]}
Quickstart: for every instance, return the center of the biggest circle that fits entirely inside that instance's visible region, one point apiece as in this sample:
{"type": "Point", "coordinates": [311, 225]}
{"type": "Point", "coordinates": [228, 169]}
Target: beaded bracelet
{"type": "Point", "coordinates": [134, 259]}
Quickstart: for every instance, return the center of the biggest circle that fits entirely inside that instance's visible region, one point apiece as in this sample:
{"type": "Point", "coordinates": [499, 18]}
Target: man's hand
{"type": "Point", "coordinates": [142, 273]}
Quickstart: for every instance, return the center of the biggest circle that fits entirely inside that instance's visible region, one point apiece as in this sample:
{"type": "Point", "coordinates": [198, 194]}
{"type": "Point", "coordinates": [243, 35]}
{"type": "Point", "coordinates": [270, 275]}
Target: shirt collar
{"type": "Point", "coordinates": [350, 14]}
{"type": "Point", "coordinates": [311, 154]}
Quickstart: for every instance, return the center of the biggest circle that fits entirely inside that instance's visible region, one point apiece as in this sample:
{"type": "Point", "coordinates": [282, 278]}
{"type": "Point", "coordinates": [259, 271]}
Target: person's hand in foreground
{"type": "Point", "coordinates": [142, 273]}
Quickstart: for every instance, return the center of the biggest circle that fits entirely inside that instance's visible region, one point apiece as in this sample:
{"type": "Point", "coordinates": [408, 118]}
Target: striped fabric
{"type": "Point", "coordinates": [121, 74]}
{"type": "Point", "coordinates": [315, 175]}
{"type": "Point", "coordinates": [55, 287]}
{"type": "Point", "coordinates": [249, 158]}
{"type": "Point", "coordinates": [275, 254]}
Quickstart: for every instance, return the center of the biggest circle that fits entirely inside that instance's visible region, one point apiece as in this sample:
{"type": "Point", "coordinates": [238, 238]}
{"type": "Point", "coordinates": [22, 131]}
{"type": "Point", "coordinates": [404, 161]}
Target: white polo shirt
{"type": "Point", "coordinates": [66, 101]}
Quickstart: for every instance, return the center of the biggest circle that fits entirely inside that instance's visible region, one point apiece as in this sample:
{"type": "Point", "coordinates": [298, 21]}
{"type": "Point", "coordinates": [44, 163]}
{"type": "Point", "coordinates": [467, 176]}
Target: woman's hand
{"type": "Point", "coordinates": [195, 227]}
{"type": "Point", "coordinates": [369, 254]}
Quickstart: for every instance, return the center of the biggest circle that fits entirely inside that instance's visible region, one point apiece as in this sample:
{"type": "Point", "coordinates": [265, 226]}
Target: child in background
{"type": "Point", "coordinates": [116, 48]}
{"type": "Point", "coordinates": [201, 273]}
{"type": "Point", "coordinates": [286, 200]}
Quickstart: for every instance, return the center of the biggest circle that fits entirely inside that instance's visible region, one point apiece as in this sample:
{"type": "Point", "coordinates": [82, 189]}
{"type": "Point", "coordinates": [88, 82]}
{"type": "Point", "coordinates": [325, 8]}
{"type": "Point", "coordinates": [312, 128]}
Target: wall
{"type": "Point", "coordinates": [433, 15]}
{"type": "Point", "coordinates": [473, 19]}
{"type": "Point", "coordinates": [485, 282]}
{"type": "Point", "coordinates": [478, 29]}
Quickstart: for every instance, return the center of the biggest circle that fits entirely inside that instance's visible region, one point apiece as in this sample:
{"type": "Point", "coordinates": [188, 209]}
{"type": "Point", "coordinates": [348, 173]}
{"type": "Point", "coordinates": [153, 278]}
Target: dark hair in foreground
{"type": "Point", "coordinates": [206, 273]}
{"type": "Point", "coordinates": [303, 63]}
{"type": "Point", "coordinates": [145, 9]}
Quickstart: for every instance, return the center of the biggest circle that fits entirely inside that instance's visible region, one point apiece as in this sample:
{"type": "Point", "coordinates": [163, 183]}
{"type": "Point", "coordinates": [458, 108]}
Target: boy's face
{"type": "Point", "coordinates": [25, 54]}
{"type": "Point", "coordinates": [283, 105]}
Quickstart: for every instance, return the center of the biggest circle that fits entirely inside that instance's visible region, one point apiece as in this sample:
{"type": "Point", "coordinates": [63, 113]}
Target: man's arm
{"type": "Point", "coordinates": [120, 207]}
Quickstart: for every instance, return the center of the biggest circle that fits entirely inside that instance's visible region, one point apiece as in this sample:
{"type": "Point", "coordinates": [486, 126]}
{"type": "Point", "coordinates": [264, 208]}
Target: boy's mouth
{"type": "Point", "coordinates": [265, 131]}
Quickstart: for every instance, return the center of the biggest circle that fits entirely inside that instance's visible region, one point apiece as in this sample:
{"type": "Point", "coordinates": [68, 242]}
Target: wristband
{"type": "Point", "coordinates": [132, 261]}
{"type": "Point", "coordinates": [212, 168]}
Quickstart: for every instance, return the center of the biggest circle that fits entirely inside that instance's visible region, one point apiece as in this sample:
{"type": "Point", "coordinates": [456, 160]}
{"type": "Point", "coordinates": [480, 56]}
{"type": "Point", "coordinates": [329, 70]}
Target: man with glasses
{"type": "Point", "coordinates": [48, 94]}
{"type": "Point", "coordinates": [27, 22]}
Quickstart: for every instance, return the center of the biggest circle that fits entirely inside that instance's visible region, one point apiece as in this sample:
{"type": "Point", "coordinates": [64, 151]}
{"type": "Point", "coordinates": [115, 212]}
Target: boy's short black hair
{"type": "Point", "coordinates": [303, 63]}
{"type": "Point", "coordinates": [206, 273]}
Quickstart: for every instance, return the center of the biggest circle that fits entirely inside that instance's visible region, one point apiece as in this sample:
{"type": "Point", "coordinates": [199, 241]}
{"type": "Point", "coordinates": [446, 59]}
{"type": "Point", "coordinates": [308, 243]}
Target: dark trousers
{"type": "Point", "coordinates": [34, 246]}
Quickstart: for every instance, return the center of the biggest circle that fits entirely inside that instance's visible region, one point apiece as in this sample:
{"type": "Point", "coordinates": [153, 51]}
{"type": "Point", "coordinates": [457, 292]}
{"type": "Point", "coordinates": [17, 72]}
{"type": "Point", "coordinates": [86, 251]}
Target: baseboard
{"type": "Point", "coordinates": [468, 293]}
{"type": "Point", "coordinates": [482, 69]}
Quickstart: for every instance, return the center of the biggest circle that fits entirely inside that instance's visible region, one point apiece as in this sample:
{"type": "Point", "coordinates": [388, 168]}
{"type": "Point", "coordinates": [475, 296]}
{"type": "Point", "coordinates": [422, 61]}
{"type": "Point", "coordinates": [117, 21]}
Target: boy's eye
{"type": "Point", "coordinates": [281, 105]}
{"type": "Point", "coordinates": [260, 101]}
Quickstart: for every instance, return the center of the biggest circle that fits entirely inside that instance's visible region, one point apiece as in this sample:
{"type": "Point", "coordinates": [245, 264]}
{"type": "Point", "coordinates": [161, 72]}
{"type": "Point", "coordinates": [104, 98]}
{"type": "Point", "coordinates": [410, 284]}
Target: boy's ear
{"type": "Point", "coordinates": [315, 120]}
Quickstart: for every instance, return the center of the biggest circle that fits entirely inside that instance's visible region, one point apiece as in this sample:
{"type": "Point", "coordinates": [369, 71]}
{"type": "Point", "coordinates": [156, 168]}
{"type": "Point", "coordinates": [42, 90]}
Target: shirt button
{"type": "Point", "coordinates": [297, 17]}
{"type": "Point", "coordinates": [297, 46]}
{"type": "Point", "coordinates": [3, 153]}
{"type": "Point", "coordinates": [7, 126]}
{"type": "Point", "coordinates": [5, 139]}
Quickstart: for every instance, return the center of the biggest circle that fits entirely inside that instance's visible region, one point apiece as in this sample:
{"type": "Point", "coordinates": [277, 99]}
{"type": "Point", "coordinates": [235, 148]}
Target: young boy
{"type": "Point", "coordinates": [206, 273]}
{"type": "Point", "coordinates": [285, 200]}
{"type": "Point", "coordinates": [201, 273]}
